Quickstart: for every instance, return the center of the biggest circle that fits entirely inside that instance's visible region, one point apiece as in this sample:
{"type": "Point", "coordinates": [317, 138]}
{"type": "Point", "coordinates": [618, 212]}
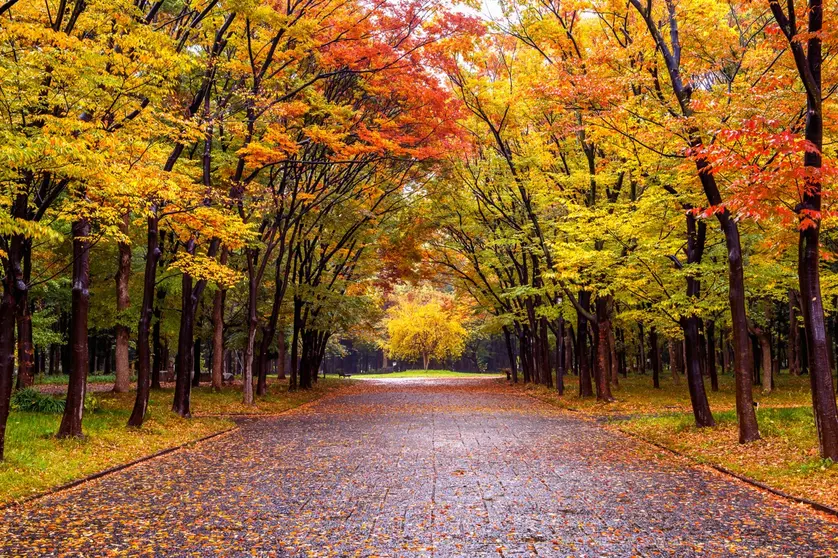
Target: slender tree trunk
{"type": "Point", "coordinates": [183, 384]}
{"type": "Point", "coordinates": [561, 359]}
{"type": "Point", "coordinates": [252, 325]}
{"type": "Point", "coordinates": [144, 327]}
{"type": "Point", "coordinates": [280, 343]}
{"type": "Point", "coordinates": [295, 338]}
{"type": "Point", "coordinates": [695, 380]}
{"type": "Point", "coordinates": [710, 326]}
{"type": "Point", "coordinates": [123, 302]}
{"type": "Point", "coordinates": [71, 421]}
{"type": "Point", "coordinates": [218, 331]}
{"type": "Point", "coordinates": [654, 347]}
{"type": "Point", "coordinates": [196, 362]}
{"type": "Point", "coordinates": [767, 367]}
{"type": "Point", "coordinates": [218, 340]}
{"type": "Point", "coordinates": [510, 351]}
{"type": "Point", "coordinates": [547, 376]}
{"type": "Point", "coordinates": [612, 355]}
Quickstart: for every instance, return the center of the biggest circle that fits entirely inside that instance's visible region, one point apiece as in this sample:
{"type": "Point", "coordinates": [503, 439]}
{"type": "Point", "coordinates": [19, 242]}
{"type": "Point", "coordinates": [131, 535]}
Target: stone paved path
{"type": "Point", "coordinates": [433, 468]}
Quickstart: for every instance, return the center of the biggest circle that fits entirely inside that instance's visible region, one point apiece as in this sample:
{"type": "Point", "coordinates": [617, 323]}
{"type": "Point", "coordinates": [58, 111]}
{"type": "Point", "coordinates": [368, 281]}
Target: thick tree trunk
{"type": "Point", "coordinates": [7, 354]}
{"type": "Point", "coordinates": [602, 369]}
{"type": "Point", "coordinates": [13, 289]}
{"type": "Point", "coordinates": [123, 302]}
{"type": "Point", "coordinates": [71, 421]}
{"type": "Point", "coordinates": [25, 347]}
{"type": "Point", "coordinates": [585, 387]}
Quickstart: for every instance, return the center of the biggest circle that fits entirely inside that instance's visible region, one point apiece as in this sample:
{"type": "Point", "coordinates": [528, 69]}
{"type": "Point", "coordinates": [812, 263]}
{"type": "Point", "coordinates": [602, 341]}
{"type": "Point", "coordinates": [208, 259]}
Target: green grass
{"type": "Point", "coordinates": [36, 460]}
{"type": "Point", "coordinates": [427, 374]}
{"type": "Point", "coordinates": [64, 379]}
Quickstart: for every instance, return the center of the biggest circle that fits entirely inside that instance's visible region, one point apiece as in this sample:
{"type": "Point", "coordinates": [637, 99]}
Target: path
{"type": "Point", "coordinates": [435, 468]}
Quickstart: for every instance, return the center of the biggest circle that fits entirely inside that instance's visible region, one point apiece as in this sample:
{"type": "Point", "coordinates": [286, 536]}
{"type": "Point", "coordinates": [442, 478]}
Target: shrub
{"type": "Point", "coordinates": [34, 401]}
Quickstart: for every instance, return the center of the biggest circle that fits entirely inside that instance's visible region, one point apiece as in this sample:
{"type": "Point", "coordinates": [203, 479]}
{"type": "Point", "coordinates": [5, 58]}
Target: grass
{"type": "Point", "coordinates": [427, 374]}
{"type": "Point", "coordinates": [64, 379]}
{"type": "Point", "coordinates": [785, 458]}
{"type": "Point", "coordinates": [37, 461]}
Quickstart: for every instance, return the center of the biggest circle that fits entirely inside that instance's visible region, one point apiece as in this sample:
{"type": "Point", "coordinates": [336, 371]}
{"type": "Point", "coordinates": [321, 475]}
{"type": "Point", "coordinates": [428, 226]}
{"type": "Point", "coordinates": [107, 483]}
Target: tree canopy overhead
{"type": "Point", "coordinates": [588, 179]}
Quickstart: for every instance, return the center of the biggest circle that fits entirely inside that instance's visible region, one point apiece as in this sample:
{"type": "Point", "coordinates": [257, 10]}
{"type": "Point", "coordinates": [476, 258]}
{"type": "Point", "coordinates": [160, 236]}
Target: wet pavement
{"type": "Point", "coordinates": [451, 467]}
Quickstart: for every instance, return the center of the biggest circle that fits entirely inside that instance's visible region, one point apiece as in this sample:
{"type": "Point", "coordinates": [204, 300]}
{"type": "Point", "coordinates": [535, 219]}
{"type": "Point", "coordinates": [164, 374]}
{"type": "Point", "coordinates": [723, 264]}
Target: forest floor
{"type": "Point", "coordinates": [37, 461]}
{"type": "Point", "coordinates": [443, 467]}
{"type": "Point", "coordinates": [786, 458]}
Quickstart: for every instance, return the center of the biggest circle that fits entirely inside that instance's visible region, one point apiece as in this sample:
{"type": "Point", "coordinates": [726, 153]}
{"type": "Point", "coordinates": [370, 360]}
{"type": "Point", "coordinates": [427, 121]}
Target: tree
{"type": "Point", "coordinates": [424, 329]}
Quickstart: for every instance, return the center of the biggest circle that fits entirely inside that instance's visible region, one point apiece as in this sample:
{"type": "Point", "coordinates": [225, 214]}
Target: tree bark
{"type": "Point", "coordinates": [710, 327]}
{"type": "Point", "coordinates": [510, 351]}
{"type": "Point", "coordinates": [656, 357]}
{"type": "Point", "coordinates": [25, 347]}
{"type": "Point", "coordinates": [183, 368]}
{"type": "Point", "coordinates": [123, 302]}
{"type": "Point", "coordinates": [144, 326]}
{"type": "Point", "coordinates": [586, 389]}
{"type": "Point", "coordinates": [281, 351]}
{"type": "Point", "coordinates": [71, 421]}
{"type": "Point", "coordinates": [602, 369]}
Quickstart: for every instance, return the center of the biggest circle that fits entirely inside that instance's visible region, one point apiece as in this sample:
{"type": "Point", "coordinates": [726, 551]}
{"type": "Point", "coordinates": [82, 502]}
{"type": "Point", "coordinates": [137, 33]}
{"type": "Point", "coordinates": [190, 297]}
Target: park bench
{"type": "Point", "coordinates": [343, 374]}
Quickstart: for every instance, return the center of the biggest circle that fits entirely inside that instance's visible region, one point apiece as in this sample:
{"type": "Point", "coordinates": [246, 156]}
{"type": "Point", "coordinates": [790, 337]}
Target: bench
{"type": "Point", "coordinates": [343, 374]}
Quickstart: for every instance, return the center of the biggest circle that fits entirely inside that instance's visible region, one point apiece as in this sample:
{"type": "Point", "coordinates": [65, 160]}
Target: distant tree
{"type": "Point", "coordinates": [429, 331]}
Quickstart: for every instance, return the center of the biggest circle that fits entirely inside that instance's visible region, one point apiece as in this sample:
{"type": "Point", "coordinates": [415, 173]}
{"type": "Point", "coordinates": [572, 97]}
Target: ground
{"type": "Point", "coordinates": [441, 467]}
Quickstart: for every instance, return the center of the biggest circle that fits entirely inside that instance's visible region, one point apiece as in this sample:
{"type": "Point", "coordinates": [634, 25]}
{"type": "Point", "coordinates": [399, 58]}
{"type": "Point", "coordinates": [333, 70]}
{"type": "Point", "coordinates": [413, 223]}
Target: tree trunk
{"type": "Point", "coordinates": [123, 302]}
{"type": "Point", "coordinates": [656, 357]}
{"type": "Point", "coordinates": [710, 327]}
{"type": "Point", "coordinates": [695, 380]}
{"type": "Point", "coordinates": [544, 344]}
{"type": "Point", "coordinates": [218, 340]}
{"type": "Point", "coordinates": [295, 338]}
{"type": "Point", "coordinates": [280, 346]}
{"type": "Point", "coordinates": [764, 340]}
{"type": "Point", "coordinates": [183, 368]}
{"type": "Point", "coordinates": [252, 324]}
{"type": "Point", "coordinates": [585, 387]}
{"type": "Point", "coordinates": [561, 359]}
{"type": "Point", "coordinates": [603, 325]}
{"type": "Point", "coordinates": [25, 347]}
{"type": "Point", "coordinates": [676, 359]}
{"type": "Point", "coordinates": [71, 421]}
{"type": "Point", "coordinates": [510, 351]}
{"type": "Point", "coordinates": [196, 362]}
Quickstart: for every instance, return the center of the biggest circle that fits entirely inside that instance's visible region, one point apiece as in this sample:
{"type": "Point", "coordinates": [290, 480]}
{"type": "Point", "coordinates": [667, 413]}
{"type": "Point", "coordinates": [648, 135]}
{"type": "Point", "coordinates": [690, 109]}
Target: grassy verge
{"type": "Point", "coordinates": [63, 379]}
{"type": "Point", "coordinates": [426, 374]}
{"type": "Point", "coordinates": [785, 458]}
{"type": "Point", "coordinates": [36, 461]}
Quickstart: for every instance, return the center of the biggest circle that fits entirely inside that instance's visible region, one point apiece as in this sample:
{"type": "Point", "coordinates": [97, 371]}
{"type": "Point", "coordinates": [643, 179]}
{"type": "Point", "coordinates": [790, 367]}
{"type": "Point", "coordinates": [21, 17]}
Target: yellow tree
{"type": "Point", "coordinates": [426, 329]}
